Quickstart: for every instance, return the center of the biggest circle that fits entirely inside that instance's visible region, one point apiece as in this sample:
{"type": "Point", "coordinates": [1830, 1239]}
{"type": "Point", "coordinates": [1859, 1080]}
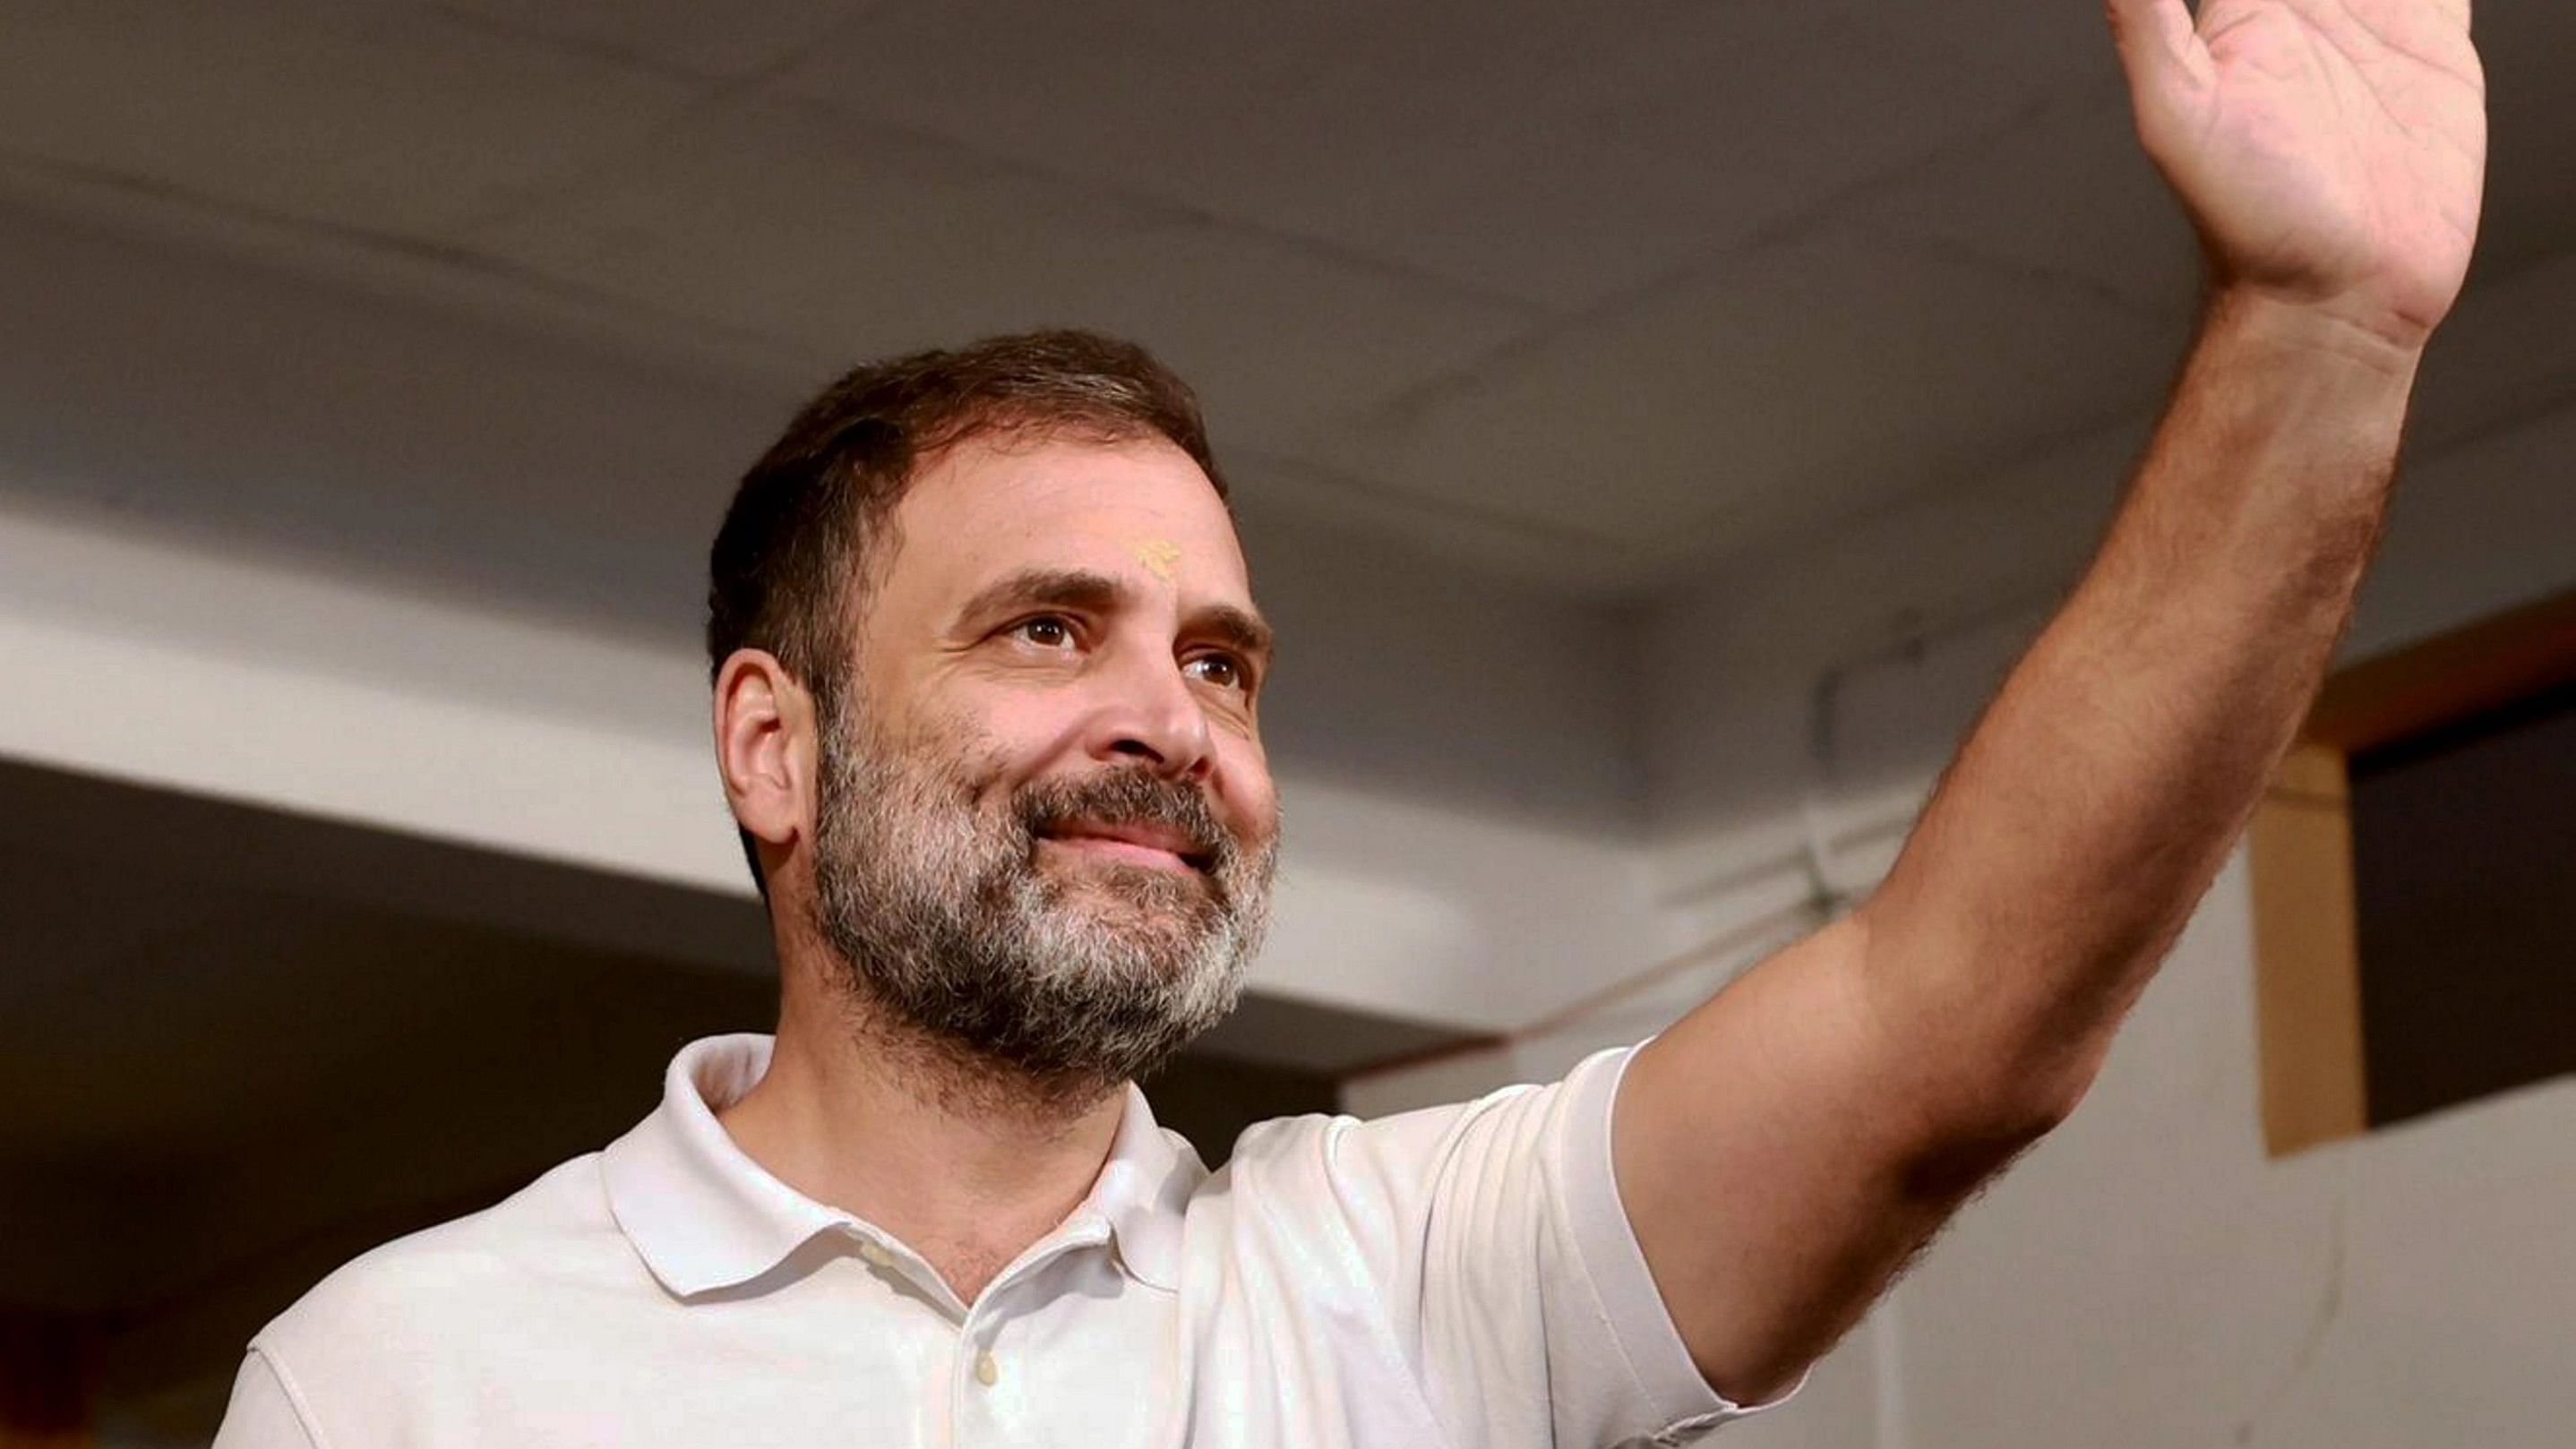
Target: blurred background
{"type": "Point", "coordinates": [1656, 428]}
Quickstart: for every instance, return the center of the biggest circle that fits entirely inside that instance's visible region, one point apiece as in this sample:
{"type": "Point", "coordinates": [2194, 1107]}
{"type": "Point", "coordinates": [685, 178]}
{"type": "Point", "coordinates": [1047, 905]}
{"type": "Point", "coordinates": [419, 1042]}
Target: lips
{"type": "Point", "coordinates": [1141, 841]}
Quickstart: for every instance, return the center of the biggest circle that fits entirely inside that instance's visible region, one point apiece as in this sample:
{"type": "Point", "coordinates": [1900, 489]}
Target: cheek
{"type": "Point", "coordinates": [1245, 787]}
{"type": "Point", "coordinates": [1009, 739]}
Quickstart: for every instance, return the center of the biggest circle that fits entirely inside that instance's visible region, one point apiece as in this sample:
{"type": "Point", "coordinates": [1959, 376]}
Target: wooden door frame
{"type": "Point", "coordinates": [2307, 962]}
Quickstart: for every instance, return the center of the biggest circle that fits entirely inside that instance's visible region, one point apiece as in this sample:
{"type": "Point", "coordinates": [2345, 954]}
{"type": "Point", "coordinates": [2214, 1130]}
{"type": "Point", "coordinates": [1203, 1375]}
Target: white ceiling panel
{"type": "Point", "coordinates": [1785, 388]}
{"type": "Point", "coordinates": [1572, 559]}
{"type": "Point", "coordinates": [355, 117]}
{"type": "Point", "coordinates": [2004, 43]}
{"type": "Point", "coordinates": [2529, 47]}
{"type": "Point", "coordinates": [2066, 195]}
{"type": "Point", "coordinates": [1587, 288]}
{"type": "Point", "coordinates": [1563, 154]}
{"type": "Point", "coordinates": [786, 220]}
{"type": "Point", "coordinates": [2506, 358]}
{"type": "Point", "coordinates": [691, 37]}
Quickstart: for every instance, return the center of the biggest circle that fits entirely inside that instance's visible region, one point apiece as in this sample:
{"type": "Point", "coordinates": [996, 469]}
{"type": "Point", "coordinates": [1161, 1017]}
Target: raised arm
{"type": "Point", "coordinates": [1784, 1148]}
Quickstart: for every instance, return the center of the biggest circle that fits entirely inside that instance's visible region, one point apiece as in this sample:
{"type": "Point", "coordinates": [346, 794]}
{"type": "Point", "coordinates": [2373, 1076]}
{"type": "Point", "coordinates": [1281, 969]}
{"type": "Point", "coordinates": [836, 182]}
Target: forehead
{"type": "Point", "coordinates": [992, 505]}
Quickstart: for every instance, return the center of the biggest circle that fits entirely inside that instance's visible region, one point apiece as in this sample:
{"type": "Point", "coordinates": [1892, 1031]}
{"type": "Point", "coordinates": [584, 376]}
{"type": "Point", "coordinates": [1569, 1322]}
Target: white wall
{"type": "Point", "coordinates": [2147, 1277]}
{"type": "Point", "coordinates": [324, 548]}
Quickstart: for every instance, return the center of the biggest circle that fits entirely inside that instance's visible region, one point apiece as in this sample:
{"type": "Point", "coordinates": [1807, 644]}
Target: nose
{"type": "Point", "coordinates": [1149, 713]}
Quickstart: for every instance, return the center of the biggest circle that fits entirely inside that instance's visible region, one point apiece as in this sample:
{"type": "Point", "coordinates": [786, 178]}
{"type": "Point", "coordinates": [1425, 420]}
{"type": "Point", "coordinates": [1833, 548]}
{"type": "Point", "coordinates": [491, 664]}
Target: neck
{"type": "Point", "coordinates": [964, 1161]}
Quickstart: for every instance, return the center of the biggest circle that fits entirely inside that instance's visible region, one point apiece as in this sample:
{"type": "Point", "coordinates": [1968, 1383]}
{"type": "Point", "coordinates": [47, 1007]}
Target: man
{"type": "Point", "coordinates": [987, 688]}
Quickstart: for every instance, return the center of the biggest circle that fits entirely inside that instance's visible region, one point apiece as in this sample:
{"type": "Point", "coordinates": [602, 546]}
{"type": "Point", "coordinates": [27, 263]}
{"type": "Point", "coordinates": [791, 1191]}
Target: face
{"type": "Point", "coordinates": [1045, 829]}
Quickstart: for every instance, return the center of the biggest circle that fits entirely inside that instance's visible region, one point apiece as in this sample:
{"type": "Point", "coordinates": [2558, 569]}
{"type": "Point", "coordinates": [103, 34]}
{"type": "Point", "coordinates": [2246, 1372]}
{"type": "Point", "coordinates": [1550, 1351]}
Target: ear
{"type": "Point", "coordinates": [766, 746]}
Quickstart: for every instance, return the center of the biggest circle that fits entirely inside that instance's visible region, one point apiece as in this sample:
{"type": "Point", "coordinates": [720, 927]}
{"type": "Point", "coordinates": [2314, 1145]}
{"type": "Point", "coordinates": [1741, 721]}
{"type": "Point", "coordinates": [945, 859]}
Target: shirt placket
{"type": "Point", "coordinates": [987, 1403]}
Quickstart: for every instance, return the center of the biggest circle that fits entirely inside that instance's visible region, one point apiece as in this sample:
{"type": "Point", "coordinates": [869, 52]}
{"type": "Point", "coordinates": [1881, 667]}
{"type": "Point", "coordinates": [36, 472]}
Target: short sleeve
{"type": "Point", "coordinates": [1519, 1292]}
{"type": "Point", "coordinates": [262, 1414]}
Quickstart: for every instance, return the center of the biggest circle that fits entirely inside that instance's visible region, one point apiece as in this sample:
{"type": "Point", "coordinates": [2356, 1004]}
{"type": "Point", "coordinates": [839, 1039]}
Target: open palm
{"type": "Point", "coordinates": [2330, 151]}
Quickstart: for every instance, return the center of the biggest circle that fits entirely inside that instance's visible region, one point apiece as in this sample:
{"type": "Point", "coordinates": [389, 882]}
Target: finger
{"type": "Point", "coordinates": [2169, 67]}
{"type": "Point", "coordinates": [2159, 46]}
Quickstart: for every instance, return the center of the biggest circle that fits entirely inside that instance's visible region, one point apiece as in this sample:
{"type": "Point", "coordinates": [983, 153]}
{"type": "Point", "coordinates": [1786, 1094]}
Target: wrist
{"type": "Point", "coordinates": [2326, 333]}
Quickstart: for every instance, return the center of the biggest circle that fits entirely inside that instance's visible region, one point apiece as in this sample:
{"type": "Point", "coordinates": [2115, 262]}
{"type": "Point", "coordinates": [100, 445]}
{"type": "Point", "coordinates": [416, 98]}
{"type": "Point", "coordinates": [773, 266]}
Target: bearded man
{"type": "Point", "coordinates": [987, 677]}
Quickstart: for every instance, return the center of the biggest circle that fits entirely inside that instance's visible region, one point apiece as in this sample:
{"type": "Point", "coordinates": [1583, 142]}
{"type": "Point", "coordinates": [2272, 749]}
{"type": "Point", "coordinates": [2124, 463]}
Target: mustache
{"type": "Point", "coordinates": [1130, 797]}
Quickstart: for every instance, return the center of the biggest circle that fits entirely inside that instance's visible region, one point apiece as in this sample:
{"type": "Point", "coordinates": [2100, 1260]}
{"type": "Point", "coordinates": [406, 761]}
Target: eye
{"type": "Point", "coordinates": [1046, 631]}
{"type": "Point", "coordinates": [1222, 670]}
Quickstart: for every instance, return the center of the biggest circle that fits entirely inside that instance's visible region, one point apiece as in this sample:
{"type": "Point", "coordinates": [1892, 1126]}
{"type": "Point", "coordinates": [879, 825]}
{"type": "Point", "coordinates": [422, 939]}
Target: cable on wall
{"type": "Point", "coordinates": [1817, 859]}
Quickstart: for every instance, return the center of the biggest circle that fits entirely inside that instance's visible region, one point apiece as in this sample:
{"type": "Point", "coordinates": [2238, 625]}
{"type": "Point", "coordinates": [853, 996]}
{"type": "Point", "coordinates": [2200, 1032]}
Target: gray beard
{"type": "Point", "coordinates": [941, 919]}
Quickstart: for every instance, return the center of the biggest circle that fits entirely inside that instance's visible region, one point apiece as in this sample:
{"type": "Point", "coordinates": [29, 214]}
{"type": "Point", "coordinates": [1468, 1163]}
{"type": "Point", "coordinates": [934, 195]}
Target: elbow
{"type": "Point", "coordinates": [1994, 1066]}
{"type": "Point", "coordinates": [1956, 1163]}
{"type": "Point", "coordinates": [1982, 1136]}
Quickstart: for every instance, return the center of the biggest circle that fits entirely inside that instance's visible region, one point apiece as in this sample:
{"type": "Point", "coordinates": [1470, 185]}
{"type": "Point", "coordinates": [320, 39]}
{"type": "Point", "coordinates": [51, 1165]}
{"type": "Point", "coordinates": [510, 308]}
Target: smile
{"type": "Point", "coordinates": [1143, 845]}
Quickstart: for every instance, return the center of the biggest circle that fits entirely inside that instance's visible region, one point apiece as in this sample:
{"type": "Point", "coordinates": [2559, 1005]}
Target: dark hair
{"type": "Point", "coordinates": [811, 517]}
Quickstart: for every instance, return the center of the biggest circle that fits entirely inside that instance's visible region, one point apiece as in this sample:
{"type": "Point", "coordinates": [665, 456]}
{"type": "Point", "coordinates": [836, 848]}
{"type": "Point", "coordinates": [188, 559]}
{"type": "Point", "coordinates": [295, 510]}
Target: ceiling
{"type": "Point", "coordinates": [1610, 290]}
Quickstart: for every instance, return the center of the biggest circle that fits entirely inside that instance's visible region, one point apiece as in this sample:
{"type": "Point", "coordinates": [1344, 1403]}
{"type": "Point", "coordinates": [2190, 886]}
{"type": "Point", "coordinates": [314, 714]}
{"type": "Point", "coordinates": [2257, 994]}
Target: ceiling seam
{"type": "Point", "coordinates": [1779, 232]}
{"type": "Point", "coordinates": [1169, 210]}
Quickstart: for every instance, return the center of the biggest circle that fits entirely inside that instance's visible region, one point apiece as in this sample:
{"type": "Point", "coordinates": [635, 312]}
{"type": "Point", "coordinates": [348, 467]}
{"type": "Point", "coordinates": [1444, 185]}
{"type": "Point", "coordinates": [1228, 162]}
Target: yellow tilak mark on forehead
{"type": "Point", "coordinates": [1159, 555]}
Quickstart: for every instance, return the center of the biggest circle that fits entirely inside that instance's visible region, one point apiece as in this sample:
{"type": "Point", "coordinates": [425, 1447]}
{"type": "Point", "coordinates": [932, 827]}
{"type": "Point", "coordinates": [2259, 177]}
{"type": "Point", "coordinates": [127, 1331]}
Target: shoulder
{"type": "Point", "coordinates": [1377, 1183]}
{"type": "Point", "coordinates": [554, 1234]}
{"type": "Point", "coordinates": [1405, 1152]}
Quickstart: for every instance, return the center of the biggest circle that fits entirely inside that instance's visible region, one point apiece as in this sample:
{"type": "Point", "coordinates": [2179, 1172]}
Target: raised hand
{"type": "Point", "coordinates": [2331, 152]}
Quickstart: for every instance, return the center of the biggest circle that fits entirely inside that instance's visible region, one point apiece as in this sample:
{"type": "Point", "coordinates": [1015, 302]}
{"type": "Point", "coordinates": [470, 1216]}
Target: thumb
{"type": "Point", "coordinates": [2168, 65]}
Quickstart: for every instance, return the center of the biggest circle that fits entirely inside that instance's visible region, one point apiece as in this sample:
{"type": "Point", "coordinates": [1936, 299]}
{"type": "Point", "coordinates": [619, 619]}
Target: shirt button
{"type": "Point", "coordinates": [874, 1254]}
{"type": "Point", "coordinates": [986, 1370]}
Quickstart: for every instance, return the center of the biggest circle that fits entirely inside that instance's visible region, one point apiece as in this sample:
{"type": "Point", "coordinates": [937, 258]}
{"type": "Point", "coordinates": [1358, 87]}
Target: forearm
{"type": "Point", "coordinates": [2096, 799]}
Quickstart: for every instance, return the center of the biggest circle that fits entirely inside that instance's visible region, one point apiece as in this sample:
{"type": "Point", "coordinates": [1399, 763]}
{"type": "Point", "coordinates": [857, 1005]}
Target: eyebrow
{"type": "Point", "coordinates": [1239, 629]}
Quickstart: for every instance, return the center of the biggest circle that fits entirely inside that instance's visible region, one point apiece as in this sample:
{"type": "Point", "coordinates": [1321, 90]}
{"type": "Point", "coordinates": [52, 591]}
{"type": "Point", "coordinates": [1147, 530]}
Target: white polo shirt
{"type": "Point", "coordinates": [1459, 1276]}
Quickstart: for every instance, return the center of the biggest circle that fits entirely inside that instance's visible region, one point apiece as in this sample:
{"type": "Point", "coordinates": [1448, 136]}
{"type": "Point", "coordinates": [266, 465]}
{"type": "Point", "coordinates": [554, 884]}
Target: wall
{"type": "Point", "coordinates": [2147, 1277]}
{"type": "Point", "coordinates": [2150, 1278]}
{"type": "Point", "coordinates": [328, 547]}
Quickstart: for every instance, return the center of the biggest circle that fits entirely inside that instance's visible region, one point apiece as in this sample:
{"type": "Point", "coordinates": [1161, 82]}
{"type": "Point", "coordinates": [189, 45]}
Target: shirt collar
{"type": "Point", "coordinates": [704, 1216]}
